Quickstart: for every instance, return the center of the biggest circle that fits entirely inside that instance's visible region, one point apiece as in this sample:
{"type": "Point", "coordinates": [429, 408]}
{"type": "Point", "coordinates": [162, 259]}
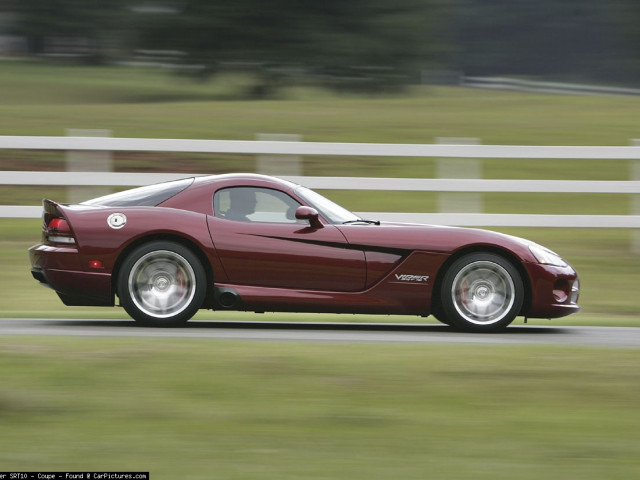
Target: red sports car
{"type": "Point", "coordinates": [257, 243]}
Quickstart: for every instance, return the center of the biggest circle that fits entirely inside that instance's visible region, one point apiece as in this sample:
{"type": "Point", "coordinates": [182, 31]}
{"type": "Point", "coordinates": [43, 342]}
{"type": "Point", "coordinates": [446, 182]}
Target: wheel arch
{"type": "Point", "coordinates": [506, 254]}
{"type": "Point", "coordinates": [185, 242]}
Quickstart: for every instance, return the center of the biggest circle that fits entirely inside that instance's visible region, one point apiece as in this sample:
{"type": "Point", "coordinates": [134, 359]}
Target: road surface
{"type": "Point", "coordinates": [327, 332]}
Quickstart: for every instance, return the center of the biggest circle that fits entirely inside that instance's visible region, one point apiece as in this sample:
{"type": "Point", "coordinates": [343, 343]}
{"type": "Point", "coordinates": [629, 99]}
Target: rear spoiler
{"type": "Point", "coordinates": [51, 210]}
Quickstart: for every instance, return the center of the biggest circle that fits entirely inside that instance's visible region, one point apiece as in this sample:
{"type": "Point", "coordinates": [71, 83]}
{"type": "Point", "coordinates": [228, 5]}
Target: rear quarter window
{"type": "Point", "coordinates": [148, 196]}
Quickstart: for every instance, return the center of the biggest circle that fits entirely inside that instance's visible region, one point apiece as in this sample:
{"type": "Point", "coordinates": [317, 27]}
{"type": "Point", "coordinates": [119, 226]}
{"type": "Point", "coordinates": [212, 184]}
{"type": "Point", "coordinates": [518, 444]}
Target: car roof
{"type": "Point", "coordinates": [197, 197]}
{"type": "Point", "coordinates": [230, 179]}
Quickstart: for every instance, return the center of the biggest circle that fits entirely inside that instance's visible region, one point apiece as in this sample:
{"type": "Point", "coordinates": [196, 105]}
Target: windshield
{"type": "Point", "coordinates": [328, 209]}
{"type": "Point", "coordinates": [148, 196]}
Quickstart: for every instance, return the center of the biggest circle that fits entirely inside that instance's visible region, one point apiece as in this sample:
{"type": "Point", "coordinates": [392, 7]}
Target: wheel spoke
{"type": "Point", "coordinates": [162, 283]}
{"type": "Point", "coordinates": [483, 292]}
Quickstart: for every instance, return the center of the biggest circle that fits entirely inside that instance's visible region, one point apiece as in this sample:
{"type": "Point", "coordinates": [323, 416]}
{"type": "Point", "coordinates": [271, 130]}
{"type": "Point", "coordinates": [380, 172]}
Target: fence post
{"type": "Point", "coordinates": [279, 164]}
{"type": "Point", "coordinates": [84, 161]}
{"type": "Point", "coordinates": [635, 199]}
{"type": "Point", "coordinates": [455, 202]}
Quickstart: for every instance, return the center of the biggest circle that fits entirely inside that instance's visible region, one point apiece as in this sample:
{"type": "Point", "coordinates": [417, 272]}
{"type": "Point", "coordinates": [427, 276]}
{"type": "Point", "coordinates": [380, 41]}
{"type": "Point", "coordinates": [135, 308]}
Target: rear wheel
{"type": "Point", "coordinates": [481, 292]}
{"type": "Point", "coordinates": [161, 283]}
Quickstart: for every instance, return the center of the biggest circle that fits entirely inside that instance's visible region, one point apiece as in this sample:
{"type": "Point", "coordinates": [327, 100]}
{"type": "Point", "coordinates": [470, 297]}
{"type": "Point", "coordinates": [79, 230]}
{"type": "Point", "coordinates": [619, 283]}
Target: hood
{"type": "Point", "coordinates": [432, 238]}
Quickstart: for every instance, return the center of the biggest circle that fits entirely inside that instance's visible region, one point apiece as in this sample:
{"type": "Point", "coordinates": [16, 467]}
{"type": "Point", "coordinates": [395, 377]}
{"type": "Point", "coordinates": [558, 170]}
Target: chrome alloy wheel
{"type": "Point", "coordinates": [162, 284]}
{"type": "Point", "coordinates": [483, 292]}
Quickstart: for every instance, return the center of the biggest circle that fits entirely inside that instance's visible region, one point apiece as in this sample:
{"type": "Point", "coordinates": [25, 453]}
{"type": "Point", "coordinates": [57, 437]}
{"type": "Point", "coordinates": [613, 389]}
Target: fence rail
{"type": "Point", "coordinates": [533, 86]}
{"type": "Point", "coordinates": [631, 187]}
{"type": "Point", "coordinates": [316, 148]}
{"type": "Point", "coordinates": [125, 179]}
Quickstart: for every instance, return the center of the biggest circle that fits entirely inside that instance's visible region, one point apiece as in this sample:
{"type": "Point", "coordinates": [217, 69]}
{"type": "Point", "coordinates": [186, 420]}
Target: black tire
{"type": "Point", "coordinates": [161, 283]}
{"type": "Point", "coordinates": [481, 292]}
{"type": "Point", "coordinates": [439, 315]}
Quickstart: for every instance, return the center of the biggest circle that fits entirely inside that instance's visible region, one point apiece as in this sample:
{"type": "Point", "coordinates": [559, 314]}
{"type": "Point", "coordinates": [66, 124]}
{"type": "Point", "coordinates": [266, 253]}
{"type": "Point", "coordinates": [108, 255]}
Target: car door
{"type": "Point", "coordinates": [260, 243]}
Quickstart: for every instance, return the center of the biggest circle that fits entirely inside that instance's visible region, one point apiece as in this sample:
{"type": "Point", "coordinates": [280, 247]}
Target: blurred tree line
{"type": "Point", "coordinates": [349, 44]}
{"type": "Point", "coordinates": [566, 39]}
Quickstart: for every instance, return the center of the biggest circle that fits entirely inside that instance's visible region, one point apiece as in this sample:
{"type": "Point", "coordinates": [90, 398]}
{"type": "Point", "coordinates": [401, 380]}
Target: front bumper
{"type": "Point", "coordinates": [554, 291]}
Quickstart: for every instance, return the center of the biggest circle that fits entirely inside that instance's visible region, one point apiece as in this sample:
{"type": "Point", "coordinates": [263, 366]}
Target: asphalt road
{"type": "Point", "coordinates": [327, 332]}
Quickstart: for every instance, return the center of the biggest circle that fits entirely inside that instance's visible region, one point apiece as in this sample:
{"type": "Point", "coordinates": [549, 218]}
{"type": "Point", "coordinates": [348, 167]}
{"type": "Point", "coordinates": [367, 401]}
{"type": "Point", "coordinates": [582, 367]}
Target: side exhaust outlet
{"type": "Point", "coordinates": [227, 298]}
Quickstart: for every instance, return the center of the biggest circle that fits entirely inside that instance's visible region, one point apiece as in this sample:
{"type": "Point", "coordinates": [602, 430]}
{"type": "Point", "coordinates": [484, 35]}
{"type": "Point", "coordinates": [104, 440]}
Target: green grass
{"type": "Point", "coordinates": [608, 273]}
{"type": "Point", "coordinates": [41, 99]}
{"type": "Point", "coordinates": [237, 410]}
{"type": "Point", "coordinates": [207, 409]}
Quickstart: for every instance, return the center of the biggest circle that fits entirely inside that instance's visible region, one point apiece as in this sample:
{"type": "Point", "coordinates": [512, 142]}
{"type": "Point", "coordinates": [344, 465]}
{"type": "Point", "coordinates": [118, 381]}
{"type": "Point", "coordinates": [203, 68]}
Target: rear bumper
{"type": "Point", "coordinates": [60, 269]}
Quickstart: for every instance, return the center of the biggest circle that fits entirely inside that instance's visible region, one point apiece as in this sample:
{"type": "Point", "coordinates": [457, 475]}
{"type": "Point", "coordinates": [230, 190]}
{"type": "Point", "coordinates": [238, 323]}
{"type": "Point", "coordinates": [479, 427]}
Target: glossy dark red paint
{"type": "Point", "coordinates": [320, 267]}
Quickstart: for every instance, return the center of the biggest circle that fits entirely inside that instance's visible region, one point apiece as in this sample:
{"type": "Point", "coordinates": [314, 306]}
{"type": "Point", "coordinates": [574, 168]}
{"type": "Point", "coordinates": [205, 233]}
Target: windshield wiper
{"type": "Point", "coordinates": [362, 220]}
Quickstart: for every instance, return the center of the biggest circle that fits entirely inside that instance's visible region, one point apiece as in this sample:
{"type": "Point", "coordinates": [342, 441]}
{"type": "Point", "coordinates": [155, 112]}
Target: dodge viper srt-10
{"type": "Point", "coordinates": [258, 243]}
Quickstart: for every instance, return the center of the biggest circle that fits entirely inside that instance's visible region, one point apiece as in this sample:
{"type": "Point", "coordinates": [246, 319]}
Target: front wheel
{"type": "Point", "coordinates": [482, 292]}
{"type": "Point", "coordinates": [161, 283]}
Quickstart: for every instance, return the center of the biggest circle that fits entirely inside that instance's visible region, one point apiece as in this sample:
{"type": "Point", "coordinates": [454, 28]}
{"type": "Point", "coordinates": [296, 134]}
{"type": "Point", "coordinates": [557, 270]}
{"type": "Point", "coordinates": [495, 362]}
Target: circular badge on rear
{"type": "Point", "coordinates": [117, 220]}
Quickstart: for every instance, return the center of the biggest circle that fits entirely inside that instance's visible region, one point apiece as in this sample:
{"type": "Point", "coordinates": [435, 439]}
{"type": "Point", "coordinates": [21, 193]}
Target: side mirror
{"type": "Point", "coordinates": [310, 214]}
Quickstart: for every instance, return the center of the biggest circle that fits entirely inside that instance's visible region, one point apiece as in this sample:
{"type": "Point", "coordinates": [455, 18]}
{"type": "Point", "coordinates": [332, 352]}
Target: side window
{"type": "Point", "coordinates": [253, 204]}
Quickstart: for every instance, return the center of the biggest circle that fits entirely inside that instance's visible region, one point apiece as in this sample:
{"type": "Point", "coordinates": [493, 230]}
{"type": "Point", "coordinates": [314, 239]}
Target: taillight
{"type": "Point", "coordinates": [59, 224]}
{"type": "Point", "coordinates": [59, 231]}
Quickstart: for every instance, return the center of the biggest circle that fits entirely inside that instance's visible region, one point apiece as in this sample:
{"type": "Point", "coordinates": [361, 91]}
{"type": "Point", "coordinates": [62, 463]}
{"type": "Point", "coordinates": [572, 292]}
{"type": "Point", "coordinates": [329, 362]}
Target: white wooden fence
{"type": "Point", "coordinates": [520, 85]}
{"type": "Point", "coordinates": [631, 153]}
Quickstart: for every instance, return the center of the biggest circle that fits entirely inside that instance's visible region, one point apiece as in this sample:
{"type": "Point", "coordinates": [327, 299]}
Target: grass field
{"type": "Point", "coordinates": [208, 409]}
{"type": "Point", "coordinates": [238, 410]}
{"type": "Point", "coordinates": [608, 276]}
{"type": "Point", "coordinates": [45, 99]}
